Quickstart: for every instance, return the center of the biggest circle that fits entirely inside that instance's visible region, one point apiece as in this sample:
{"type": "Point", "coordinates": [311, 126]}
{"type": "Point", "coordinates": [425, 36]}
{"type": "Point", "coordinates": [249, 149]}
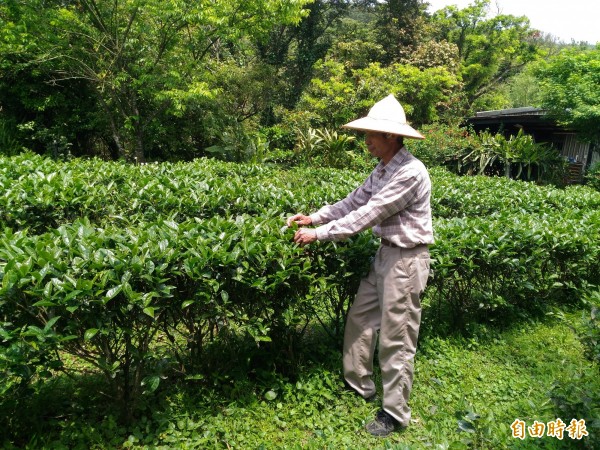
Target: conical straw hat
{"type": "Point", "coordinates": [386, 116]}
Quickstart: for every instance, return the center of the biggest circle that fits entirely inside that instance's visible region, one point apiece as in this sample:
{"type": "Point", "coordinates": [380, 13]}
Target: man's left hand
{"type": "Point", "coordinates": [305, 236]}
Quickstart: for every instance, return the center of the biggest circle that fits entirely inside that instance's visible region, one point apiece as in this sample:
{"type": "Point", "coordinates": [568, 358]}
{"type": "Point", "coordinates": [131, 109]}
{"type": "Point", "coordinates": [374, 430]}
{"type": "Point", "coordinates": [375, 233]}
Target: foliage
{"type": "Point", "coordinates": [292, 50]}
{"type": "Point", "coordinates": [151, 80]}
{"type": "Point", "coordinates": [356, 49]}
{"type": "Point", "coordinates": [519, 91]}
{"type": "Point", "coordinates": [139, 63]}
{"type": "Point", "coordinates": [326, 148]}
{"type": "Point", "coordinates": [518, 156]}
{"type": "Point", "coordinates": [490, 49]}
{"type": "Point", "coordinates": [337, 96]}
{"type": "Point", "coordinates": [467, 392]}
{"type": "Point", "coordinates": [98, 260]}
{"type": "Point", "coordinates": [445, 146]}
{"type": "Point", "coordinates": [9, 144]}
{"type": "Point", "coordinates": [592, 176]}
{"type": "Point", "coordinates": [464, 152]}
{"type": "Point", "coordinates": [102, 293]}
{"type": "Point", "coordinates": [36, 113]}
{"type": "Point", "coordinates": [579, 398]}
{"type": "Point", "coordinates": [590, 334]}
{"type": "Point", "coordinates": [78, 79]}
{"type": "Point", "coordinates": [399, 26]}
{"type": "Point", "coordinates": [488, 268]}
{"type": "Point", "coordinates": [570, 90]}
{"type": "Point", "coordinates": [435, 54]}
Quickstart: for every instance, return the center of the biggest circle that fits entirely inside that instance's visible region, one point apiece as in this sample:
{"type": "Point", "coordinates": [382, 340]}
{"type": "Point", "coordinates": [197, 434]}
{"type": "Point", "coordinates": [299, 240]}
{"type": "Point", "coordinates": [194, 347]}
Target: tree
{"type": "Point", "coordinates": [144, 60]}
{"type": "Point", "coordinates": [570, 85]}
{"type": "Point", "coordinates": [34, 113]}
{"type": "Point", "coordinates": [336, 95]}
{"type": "Point", "coordinates": [490, 49]}
{"type": "Point", "coordinates": [399, 26]}
{"type": "Point", "coordinates": [435, 54]}
{"type": "Point", "coordinates": [294, 49]}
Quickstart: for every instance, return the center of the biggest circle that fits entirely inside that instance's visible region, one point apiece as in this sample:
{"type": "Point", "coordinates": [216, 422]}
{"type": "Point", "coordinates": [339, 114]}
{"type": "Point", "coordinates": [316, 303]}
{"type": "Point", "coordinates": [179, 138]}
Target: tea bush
{"type": "Point", "coordinates": [136, 270]}
{"type": "Point", "coordinates": [106, 294]}
{"type": "Point", "coordinates": [491, 268]}
{"type": "Point", "coordinates": [41, 194]}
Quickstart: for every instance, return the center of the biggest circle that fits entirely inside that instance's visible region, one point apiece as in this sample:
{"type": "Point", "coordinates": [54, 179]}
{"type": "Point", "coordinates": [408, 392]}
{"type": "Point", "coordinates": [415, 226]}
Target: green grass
{"type": "Point", "coordinates": [480, 384]}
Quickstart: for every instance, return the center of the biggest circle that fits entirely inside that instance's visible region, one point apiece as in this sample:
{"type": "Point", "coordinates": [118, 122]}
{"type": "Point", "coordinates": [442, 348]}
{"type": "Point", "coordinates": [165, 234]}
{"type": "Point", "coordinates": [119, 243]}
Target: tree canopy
{"type": "Point", "coordinates": [166, 80]}
{"type": "Point", "coordinates": [570, 89]}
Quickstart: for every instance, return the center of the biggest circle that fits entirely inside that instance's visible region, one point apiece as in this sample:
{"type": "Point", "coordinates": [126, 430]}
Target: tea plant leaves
{"type": "Point", "coordinates": [98, 259]}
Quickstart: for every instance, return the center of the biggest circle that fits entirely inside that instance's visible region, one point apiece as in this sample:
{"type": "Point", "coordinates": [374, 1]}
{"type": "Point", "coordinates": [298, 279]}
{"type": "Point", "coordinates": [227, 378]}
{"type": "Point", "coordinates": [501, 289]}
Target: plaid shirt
{"type": "Point", "coordinates": [394, 201]}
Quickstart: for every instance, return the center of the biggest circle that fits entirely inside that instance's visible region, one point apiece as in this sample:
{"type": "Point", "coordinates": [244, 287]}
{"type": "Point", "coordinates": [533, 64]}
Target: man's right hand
{"type": "Point", "coordinates": [300, 219]}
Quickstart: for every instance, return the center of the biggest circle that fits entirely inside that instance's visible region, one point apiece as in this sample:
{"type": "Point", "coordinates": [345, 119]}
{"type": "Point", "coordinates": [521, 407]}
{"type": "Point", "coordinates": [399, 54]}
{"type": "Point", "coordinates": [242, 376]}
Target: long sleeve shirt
{"type": "Point", "coordinates": [394, 200]}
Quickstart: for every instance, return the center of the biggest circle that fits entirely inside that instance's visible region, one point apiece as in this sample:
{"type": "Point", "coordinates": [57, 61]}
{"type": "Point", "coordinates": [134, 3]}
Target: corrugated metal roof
{"type": "Point", "coordinates": [525, 111]}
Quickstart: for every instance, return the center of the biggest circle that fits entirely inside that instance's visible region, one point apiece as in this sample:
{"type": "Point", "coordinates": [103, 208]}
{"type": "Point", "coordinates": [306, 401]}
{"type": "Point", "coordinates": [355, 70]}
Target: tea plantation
{"type": "Point", "coordinates": [166, 306]}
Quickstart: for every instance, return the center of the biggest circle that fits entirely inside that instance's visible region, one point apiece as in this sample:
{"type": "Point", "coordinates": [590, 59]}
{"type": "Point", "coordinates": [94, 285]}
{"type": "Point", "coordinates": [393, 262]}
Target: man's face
{"type": "Point", "coordinates": [378, 144]}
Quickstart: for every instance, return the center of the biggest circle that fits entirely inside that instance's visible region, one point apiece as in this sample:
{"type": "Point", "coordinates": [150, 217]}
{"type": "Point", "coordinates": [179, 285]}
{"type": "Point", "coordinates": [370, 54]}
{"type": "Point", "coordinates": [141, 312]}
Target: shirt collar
{"type": "Point", "coordinates": [394, 163]}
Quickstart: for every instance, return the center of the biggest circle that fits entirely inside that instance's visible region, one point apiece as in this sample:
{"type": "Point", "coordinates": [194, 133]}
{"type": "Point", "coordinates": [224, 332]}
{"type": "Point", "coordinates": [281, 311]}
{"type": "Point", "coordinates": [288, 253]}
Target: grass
{"type": "Point", "coordinates": [467, 393]}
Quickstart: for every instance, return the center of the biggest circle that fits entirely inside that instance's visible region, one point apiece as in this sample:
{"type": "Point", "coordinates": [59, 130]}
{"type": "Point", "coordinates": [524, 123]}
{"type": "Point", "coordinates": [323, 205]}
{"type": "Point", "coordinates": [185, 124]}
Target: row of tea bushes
{"type": "Point", "coordinates": [106, 295]}
{"type": "Point", "coordinates": [492, 269]}
{"type": "Point", "coordinates": [136, 269]}
{"type": "Point", "coordinates": [42, 194]}
{"type": "Point", "coordinates": [470, 196]}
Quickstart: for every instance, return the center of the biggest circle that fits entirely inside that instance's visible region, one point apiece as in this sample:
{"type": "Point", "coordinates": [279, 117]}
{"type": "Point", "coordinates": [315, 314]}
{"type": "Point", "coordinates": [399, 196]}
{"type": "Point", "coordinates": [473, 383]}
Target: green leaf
{"type": "Point", "coordinates": [89, 334]}
{"type": "Point", "coordinates": [171, 224]}
{"type": "Point", "coordinates": [51, 323]}
{"type": "Point", "coordinates": [149, 310]}
{"type": "Point", "coordinates": [113, 292]}
{"type": "Point", "coordinates": [151, 383]}
{"type": "Point", "coordinates": [271, 395]}
{"type": "Point", "coordinates": [195, 377]}
{"type": "Point", "coordinates": [44, 303]}
{"type": "Point", "coordinates": [472, 416]}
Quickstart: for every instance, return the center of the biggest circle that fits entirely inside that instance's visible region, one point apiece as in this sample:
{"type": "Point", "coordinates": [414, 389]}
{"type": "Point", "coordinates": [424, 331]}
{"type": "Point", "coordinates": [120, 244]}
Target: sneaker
{"type": "Point", "coordinates": [383, 424]}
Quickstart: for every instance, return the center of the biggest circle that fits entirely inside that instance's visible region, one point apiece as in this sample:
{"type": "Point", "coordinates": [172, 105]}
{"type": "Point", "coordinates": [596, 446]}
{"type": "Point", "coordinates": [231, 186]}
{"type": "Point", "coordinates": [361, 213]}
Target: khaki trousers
{"type": "Point", "coordinates": [388, 300]}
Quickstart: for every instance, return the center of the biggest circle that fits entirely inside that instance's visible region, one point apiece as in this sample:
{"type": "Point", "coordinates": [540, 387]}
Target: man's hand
{"type": "Point", "coordinates": [305, 236]}
{"type": "Point", "coordinates": [300, 219]}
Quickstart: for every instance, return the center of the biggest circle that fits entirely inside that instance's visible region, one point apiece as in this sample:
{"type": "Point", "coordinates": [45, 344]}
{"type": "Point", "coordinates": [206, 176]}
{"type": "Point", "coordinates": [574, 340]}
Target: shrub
{"type": "Point", "coordinates": [444, 146]}
{"type": "Point", "coordinates": [328, 148]}
{"type": "Point", "coordinates": [137, 269]}
{"type": "Point", "coordinates": [590, 334]}
{"type": "Point", "coordinates": [592, 176]}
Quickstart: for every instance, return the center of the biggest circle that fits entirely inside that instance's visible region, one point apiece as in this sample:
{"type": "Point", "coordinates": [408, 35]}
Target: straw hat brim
{"type": "Point", "coordinates": [384, 126]}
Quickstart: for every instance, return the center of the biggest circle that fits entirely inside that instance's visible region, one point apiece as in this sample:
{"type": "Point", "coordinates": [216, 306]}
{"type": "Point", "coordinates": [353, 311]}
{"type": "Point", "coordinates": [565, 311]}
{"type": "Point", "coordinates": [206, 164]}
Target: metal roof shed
{"type": "Point", "coordinates": [534, 122]}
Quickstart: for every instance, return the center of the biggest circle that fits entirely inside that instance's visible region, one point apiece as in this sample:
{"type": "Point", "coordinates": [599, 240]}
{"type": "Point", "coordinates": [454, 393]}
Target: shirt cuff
{"type": "Point", "coordinates": [316, 219]}
{"type": "Point", "coordinates": [322, 233]}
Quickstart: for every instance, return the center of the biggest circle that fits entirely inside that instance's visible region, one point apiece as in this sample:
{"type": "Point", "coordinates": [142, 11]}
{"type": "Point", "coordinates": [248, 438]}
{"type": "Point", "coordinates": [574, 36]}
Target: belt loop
{"type": "Point", "coordinates": [388, 243]}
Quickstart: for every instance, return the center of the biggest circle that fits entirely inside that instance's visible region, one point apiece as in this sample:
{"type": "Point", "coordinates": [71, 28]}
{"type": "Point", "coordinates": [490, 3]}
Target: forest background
{"type": "Point", "coordinates": [152, 80]}
{"type": "Point", "coordinates": [150, 152]}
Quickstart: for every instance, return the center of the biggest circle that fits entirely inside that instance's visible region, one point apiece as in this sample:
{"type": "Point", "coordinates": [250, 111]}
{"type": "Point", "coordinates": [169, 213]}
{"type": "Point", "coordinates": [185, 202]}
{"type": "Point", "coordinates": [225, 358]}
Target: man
{"type": "Point", "coordinates": [394, 201]}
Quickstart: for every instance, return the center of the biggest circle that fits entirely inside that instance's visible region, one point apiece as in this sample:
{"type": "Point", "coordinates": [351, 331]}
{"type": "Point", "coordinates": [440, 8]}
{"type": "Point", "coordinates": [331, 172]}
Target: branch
{"type": "Point", "coordinates": [491, 84]}
{"type": "Point", "coordinates": [92, 8]}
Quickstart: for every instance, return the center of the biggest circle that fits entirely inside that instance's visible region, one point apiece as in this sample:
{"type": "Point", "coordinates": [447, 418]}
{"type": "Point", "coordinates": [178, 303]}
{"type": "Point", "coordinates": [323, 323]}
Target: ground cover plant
{"type": "Point", "coordinates": [171, 295]}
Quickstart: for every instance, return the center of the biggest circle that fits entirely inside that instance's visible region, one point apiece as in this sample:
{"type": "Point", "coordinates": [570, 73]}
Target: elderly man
{"type": "Point", "coordinates": [394, 202]}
